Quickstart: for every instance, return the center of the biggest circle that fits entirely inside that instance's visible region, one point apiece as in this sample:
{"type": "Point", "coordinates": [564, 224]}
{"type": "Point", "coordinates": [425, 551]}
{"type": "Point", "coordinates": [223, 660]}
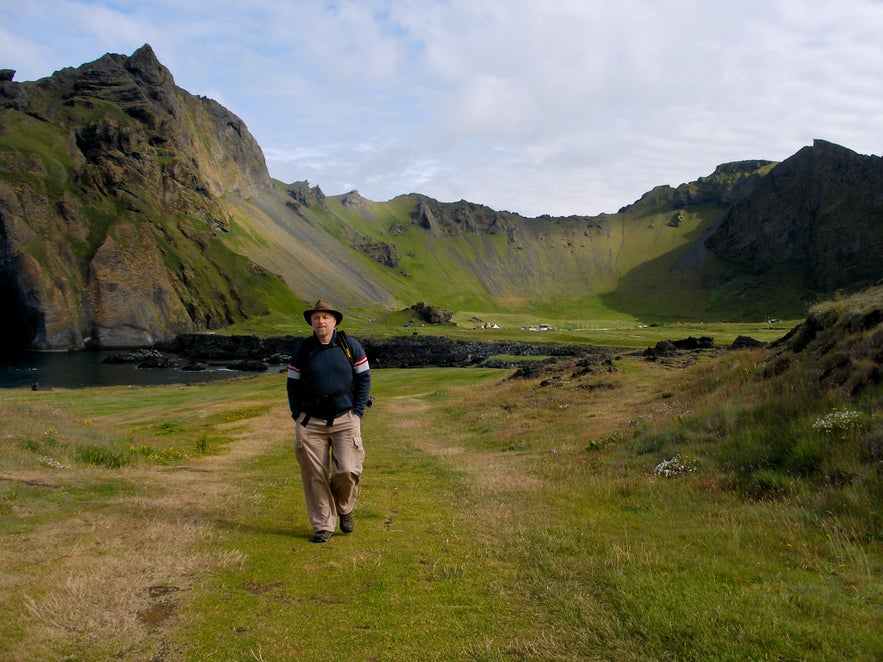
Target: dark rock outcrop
{"type": "Point", "coordinates": [432, 314]}
{"type": "Point", "coordinates": [460, 218]}
{"type": "Point", "coordinates": [353, 200]}
{"type": "Point", "coordinates": [439, 351]}
{"type": "Point", "coordinates": [747, 342]}
{"type": "Point", "coordinates": [303, 194]}
{"type": "Point", "coordinates": [401, 352]}
{"type": "Point", "coordinates": [673, 347]}
{"type": "Point", "coordinates": [383, 251]}
{"type": "Point", "coordinates": [728, 183]}
{"type": "Point", "coordinates": [12, 95]}
{"type": "Point", "coordinates": [227, 348]}
{"type": "Point", "coordinates": [820, 210]}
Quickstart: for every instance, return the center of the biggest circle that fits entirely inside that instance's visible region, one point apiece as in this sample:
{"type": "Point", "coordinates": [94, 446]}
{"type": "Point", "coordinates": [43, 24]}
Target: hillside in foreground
{"type": "Point", "coordinates": [714, 504]}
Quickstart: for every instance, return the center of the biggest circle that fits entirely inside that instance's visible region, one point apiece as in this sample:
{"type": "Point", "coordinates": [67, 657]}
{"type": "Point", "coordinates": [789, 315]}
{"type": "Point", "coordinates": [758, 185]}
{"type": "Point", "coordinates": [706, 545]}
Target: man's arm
{"type": "Point", "coordinates": [293, 385]}
{"type": "Point", "coordinates": [361, 379]}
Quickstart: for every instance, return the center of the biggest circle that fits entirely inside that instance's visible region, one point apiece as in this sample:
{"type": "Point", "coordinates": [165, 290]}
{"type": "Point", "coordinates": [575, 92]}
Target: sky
{"type": "Point", "coordinates": [533, 106]}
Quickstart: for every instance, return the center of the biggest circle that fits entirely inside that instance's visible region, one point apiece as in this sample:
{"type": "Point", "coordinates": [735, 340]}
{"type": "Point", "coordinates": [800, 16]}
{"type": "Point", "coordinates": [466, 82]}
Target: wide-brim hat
{"type": "Point", "coordinates": [324, 307]}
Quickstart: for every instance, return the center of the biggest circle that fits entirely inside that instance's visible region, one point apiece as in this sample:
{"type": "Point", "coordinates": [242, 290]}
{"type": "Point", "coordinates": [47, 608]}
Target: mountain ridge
{"type": "Point", "coordinates": [133, 211]}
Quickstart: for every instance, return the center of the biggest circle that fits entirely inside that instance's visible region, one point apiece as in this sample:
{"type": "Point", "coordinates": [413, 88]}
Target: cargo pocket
{"type": "Point", "coordinates": [298, 437]}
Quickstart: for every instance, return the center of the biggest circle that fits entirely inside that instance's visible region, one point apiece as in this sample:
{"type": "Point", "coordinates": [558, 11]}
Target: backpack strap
{"type": "Point", "coordinates": [345, 346]}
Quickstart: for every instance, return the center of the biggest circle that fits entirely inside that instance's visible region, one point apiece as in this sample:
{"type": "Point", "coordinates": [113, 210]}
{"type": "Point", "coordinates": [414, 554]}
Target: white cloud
{"type": "Point", "coordinates": [573, 106]}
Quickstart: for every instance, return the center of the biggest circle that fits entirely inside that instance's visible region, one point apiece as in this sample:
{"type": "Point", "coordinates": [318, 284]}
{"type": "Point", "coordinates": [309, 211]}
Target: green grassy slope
{"type": "Point", "coordinates": [574, 271]}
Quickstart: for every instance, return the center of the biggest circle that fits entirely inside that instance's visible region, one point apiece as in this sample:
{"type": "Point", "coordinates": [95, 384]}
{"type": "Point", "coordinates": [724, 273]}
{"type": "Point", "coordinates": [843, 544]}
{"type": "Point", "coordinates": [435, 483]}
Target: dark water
{"type": "Point", "coordinates": [84, 369]}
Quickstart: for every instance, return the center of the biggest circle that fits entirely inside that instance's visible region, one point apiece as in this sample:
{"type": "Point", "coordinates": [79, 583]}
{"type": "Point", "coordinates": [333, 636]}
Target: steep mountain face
{"type": "Point", "coordinates": [210, 150]}
{"type": "Point", "coordinates": [111, 180]}
{"type": "Point", "coordinates": [821, 209]}
{"type": "Point", "coordinates": [728, 183]}
{"type": "Point", "coordinates": [132, 212]}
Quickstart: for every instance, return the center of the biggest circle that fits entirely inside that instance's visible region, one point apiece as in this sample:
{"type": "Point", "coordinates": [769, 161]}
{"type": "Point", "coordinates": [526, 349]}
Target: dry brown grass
{"type": "Point", "coordinates": [519, 414]}
{"type": "Point", "coordinates": [116, 572]}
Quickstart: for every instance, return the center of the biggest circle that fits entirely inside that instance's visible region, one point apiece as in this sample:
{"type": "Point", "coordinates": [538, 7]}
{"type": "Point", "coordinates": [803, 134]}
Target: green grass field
{"type": "Point", "coordinates": [499, 519]}
{"type": "Point", "coordinates": [602, 327]}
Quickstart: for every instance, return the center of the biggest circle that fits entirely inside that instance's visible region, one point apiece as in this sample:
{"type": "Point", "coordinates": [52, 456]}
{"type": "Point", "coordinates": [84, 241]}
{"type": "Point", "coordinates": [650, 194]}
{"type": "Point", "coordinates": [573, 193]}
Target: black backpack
{"type": "Point", "coordinates": [345, 346]}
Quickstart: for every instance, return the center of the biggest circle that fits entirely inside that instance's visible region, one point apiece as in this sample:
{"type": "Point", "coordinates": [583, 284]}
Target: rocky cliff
{"type": "Point", "coordinates": [821, 210]}
{"type": "Point", "coordinates": [111, 180]}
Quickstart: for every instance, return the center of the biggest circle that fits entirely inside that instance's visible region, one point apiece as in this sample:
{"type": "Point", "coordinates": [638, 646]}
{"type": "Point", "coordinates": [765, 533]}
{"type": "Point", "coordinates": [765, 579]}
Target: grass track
{"type": "Point", "coordinates": [498, 521]}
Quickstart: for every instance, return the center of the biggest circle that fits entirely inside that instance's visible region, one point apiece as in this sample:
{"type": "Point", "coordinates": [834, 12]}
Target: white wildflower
{"type": "Point", "coordinates": [674, 467]}
{"type": "Point", "coordinates": [838, 421]}
{"type": "Point", "coordinates": [49, 462]}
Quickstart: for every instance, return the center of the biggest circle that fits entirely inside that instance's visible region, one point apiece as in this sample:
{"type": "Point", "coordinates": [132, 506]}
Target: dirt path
{"type": "Point", "coordinates": [490, 471]}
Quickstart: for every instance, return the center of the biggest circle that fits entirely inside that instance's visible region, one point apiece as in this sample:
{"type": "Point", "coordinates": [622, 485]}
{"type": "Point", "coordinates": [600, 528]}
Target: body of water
{"type": "Point", "coordinates": [86, 369]}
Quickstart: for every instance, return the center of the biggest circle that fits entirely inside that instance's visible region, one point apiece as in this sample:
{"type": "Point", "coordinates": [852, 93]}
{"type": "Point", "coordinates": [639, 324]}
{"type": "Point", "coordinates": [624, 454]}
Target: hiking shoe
{"type": "Point", "coordinates": [347, 524]}
{"type": "Point", "coordinates": [321, 536]}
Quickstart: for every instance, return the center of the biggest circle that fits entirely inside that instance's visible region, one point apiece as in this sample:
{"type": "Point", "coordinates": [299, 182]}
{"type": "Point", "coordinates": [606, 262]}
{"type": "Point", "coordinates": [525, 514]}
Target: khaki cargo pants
{"type": "Point", "coordinates": [330, 459]}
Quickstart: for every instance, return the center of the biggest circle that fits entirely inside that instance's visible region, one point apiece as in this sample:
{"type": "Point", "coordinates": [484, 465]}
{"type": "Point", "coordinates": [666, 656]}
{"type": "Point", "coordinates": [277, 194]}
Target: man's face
{"type": "Point", "coordinates": [323, 325]}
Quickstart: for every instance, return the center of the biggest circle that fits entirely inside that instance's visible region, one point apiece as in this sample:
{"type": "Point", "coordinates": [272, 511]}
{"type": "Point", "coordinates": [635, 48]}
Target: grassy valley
{"type": "Point", "coordinates": [134, 211]}
{"type": "Point", "coordinates": [573, 273]}
{"type": "Point", "coordinates": [725, 506]}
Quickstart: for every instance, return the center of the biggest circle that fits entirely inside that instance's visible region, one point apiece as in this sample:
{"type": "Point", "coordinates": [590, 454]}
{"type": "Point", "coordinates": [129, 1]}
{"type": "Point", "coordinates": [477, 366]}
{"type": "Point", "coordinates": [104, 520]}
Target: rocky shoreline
{"type": "Point", "coordinates": [257, 353]}
{"type": "Point", "coordinates": [193, 352]}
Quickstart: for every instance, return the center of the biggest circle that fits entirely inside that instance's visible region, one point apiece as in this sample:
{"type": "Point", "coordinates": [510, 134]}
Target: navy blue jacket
{"type": "Point", "coordinates": [323, 383]}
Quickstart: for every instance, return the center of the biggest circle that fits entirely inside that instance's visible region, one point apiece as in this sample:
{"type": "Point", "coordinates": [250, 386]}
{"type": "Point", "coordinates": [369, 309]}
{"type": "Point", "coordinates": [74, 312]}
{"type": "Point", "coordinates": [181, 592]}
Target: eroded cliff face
{"type": "Point", "coordinates": [111, 180]}
{"type": "Point", "coordinates": [821, 209]}
{"type": "Point", "coordinates": [132, 312]}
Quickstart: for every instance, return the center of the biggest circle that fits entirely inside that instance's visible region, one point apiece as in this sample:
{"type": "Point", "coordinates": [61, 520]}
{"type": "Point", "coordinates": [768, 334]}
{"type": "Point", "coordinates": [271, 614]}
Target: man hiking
{"type": "Point", "coordinates": [329, 385]}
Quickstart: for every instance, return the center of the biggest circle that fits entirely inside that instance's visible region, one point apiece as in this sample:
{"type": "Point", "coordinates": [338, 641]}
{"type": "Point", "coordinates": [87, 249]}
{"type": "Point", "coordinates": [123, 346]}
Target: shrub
{"type": "Point", "coordinates": [838, 422]}
{"type": "Point", "coordinates": [765, 484]}
{"type": "Point", "coordinates": [101, 457]}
